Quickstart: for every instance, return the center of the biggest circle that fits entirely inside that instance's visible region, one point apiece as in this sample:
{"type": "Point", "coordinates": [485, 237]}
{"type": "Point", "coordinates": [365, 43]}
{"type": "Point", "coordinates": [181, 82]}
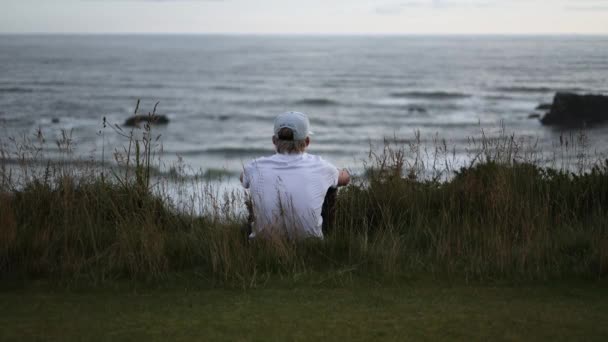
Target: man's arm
{"type": "Point", "coordinates": [242, 178]}
{"type": "Point", "coordinates": [343, 177]}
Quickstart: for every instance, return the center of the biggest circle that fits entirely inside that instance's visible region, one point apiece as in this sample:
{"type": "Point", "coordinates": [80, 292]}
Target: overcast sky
{"type": "Point", "coordinates": [304, 16]}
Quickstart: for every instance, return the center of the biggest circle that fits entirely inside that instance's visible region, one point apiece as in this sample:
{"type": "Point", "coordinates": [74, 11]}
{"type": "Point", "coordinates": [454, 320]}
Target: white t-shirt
{"type": "Point", "coordinates": [287, 191]}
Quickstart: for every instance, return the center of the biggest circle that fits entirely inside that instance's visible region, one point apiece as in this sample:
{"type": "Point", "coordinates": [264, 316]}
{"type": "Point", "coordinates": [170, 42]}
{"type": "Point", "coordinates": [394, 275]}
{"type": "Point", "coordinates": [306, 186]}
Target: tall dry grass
{"type": "Point", "coordinates": [503, 216]}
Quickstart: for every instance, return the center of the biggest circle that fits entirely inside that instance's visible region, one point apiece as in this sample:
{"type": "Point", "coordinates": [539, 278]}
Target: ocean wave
{"type": "Point", "coordinates": [499, 97]}
{"type": "Point", "coordinates": [147, 86]}
{"type": "Point", "coordinates": [316, 102]}
{"type": "Point", "coordinates": [16, 90]}
{"type": "Point", "coordinates": [533, 89]}
{"type": "Point", "coordinates": [435, 95]}
{"type": "Point", "coordinates": [227, 88]}
{"type": "Point", "coordinates": [69, 106]}
{"type": "Point", "coordinates": [229, 151]}
{"type": "Point", "coordinates": [49, 83]}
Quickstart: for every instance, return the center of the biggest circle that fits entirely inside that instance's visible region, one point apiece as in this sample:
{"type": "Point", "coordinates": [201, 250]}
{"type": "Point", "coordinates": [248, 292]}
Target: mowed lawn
{"type": "Point", "coordinates": [412, 311]}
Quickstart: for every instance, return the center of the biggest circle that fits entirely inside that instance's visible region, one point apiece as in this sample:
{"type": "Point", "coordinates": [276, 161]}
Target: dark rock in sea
{"type": "Point", "coordinates": [573, 110]}
{"type": "Point", "coordinates": [534, 116]}
{"type": "Point", "coordinates": [416, 109]}
{"type": "Point", "coordinates": [154, 119]}
{"type": "Point", "coordinates": [55, 120]}
{"type": "Point", "coordinates": [544, 106]}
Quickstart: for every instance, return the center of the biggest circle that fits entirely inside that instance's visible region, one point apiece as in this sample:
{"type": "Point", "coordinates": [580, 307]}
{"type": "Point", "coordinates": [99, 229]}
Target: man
{"type": "Point", "coordinates": [288, 189]}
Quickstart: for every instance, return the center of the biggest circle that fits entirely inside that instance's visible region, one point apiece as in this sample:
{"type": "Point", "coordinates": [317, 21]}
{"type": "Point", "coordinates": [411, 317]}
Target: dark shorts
{"type": "Point", "coordinates": [328, 213]}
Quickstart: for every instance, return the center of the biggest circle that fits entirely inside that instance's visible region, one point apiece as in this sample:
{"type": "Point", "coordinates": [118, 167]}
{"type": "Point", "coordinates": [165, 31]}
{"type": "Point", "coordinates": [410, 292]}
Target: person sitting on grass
{"type": "Point", "coordinates": [292, 193]}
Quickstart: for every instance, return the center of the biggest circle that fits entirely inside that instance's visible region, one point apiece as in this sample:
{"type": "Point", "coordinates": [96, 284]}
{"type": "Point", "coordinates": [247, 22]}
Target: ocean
{"type": "Point", "coordinates": [222, 92]}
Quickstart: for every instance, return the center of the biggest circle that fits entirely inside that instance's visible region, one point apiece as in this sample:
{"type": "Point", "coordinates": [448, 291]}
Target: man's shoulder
{"type": "Point", "coordinates": [261, 161]}
{"type": "Point", "coordinates": [323, 168]}
{"type": "Point", "coordinates": [312, 158]}
{"type": "Point", "coordinates": [307, 160]}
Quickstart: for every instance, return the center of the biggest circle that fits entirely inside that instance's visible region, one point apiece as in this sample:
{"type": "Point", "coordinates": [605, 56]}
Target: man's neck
{"type": "Point", "coordinates": [292, 154]}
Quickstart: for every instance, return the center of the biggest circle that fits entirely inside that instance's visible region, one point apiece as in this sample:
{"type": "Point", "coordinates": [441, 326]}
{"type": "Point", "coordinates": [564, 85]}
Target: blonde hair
{"type": "Point", "coordinates": [285, 143]}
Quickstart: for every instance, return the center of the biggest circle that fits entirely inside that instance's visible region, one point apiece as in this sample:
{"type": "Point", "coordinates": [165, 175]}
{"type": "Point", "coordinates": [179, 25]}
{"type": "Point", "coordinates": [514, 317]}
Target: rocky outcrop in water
{"type": "Point", "coordinates": [544, 106]}
{"type": "Point", "coordinates": [136, 120]}
{"type": "Point", "coordinates": [573, 110]}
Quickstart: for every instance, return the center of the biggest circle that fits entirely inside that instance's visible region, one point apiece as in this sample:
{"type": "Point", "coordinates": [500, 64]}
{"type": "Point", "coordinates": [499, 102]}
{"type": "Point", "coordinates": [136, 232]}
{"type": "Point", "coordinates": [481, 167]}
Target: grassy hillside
{"type": "Point", "coordinates": [506, 215]}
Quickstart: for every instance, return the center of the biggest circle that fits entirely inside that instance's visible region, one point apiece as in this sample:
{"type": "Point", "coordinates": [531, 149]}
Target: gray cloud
{"type": "Point", "coordinates": [588, 5]}
{"type": "Point", "coordinates": [397, 8]}
{"type": "Point", "coordinates": [587, 8]}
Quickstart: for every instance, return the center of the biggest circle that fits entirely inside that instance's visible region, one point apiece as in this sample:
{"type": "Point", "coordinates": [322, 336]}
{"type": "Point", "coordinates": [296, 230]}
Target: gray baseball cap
{"type": "Point", "coordinates": [296, 121]}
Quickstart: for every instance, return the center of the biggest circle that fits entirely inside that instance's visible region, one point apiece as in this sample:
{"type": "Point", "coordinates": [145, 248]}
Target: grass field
{"type": "Point", "coordinates": [357, 312]}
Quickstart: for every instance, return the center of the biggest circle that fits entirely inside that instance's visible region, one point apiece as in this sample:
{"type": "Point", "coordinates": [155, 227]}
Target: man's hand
{"type": "Point", "coordinates": [343, 178]}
